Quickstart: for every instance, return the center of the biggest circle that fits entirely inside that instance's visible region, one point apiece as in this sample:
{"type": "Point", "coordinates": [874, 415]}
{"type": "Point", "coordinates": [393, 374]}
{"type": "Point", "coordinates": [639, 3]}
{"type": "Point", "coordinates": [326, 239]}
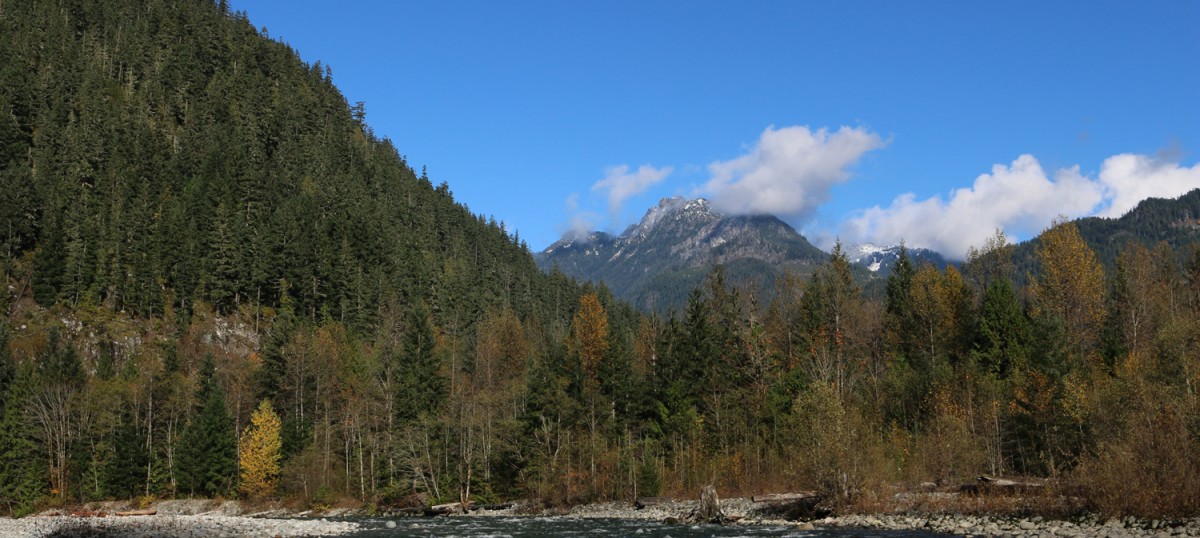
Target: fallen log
{"type": "Point", "coordinates": [145, 512]}
{"type": "Point", "coordinates": [773, 498]}
{"type": "Point", "coordinates": [448, 508]}
{"type": "Point", "coordinates": [643, 502]}
{"type": "Point", "coordinates": [792, 506]}
{"type": "Point", "coordinates": [987, 484]}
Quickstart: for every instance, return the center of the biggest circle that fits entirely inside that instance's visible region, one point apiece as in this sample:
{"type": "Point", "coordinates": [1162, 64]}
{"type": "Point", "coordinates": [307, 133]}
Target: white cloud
{"type": "Point", "coordinates": [1020, 199]}
{"type": "Point", "coordinates": [1128, 179]}
{"type": "Point", "coordinates": [621, 184]}
{"type": "Point", "coordinates": [788, 172]}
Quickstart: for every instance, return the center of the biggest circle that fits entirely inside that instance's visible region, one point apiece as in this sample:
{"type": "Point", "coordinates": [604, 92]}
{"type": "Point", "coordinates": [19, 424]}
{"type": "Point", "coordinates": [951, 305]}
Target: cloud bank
{"type": "Point", "coordinates": [788, 172]}
{"type": "Point", "coordinates": [622, 184]}
{"type": "Point", "coordinates": [1021, 199]}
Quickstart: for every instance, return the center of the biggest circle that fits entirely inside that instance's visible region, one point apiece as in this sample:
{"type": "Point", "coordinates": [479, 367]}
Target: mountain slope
{"type": "Point", "coordinates": [657, 261]}
{"type": "Point", "coordinates": [156, 155]}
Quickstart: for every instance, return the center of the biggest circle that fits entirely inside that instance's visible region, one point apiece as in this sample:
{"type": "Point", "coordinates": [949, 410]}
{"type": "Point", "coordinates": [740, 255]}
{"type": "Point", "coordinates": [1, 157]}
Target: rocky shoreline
{"type": "Point", "coordinates": [181, 526]}
{"type": "Point", "coordinates": [180, 519]}
{"type": "Point", "coordinates": [1019, 527]}
{"type": "Point", "coordinates": [747, 512]}
{"type": "Point", "coordinates": [212, 519]}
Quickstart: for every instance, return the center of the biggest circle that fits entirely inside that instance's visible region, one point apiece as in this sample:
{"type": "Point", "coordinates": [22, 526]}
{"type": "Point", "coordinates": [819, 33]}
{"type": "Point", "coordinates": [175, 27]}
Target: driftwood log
{"type": "Point", "coordinates": [782, 498]}
{"type": "Point", "coordinates": [495, 506]}
{"type": "Point", "coordinates": [444, 509]}
{"type": "Point", "coordinates": [792, 506]}
{"type": "Point", "coordinates": [643, 502]}
{"type": "Point", "coordinates": [146, 512]}
{"type": "Point", "coordinates": [1004, 486]}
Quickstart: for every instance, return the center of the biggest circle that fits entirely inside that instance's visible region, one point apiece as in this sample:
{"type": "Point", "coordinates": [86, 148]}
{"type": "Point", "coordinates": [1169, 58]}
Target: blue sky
{"type": "Point", "coordinates": [931, 122]}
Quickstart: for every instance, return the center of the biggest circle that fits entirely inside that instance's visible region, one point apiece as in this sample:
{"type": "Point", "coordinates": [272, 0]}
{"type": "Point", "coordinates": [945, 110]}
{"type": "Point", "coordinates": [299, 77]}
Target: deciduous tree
{"type": "Point", "coordinates": [261, 452]}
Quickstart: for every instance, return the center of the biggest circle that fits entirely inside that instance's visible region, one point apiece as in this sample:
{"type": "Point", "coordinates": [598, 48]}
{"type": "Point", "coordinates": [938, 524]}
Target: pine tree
{"type": "Point", "coordinates": [261, 452]}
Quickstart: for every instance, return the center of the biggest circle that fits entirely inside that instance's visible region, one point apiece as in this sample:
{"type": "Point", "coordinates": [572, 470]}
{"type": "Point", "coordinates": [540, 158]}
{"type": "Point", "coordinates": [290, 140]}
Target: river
{"type": "Point", "coordinates": [538, 527]}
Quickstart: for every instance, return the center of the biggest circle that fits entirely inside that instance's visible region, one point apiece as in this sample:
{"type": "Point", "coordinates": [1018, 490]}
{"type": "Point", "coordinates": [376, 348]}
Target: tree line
{"type": "Point", "coordinates": [1084, 375]}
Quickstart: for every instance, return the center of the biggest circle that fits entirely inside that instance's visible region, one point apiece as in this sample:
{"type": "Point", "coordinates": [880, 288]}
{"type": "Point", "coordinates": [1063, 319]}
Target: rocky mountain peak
{"type": "Point", "coordinates": [673, 209]}
{"type": "Point", "coordinates": [672, 247]}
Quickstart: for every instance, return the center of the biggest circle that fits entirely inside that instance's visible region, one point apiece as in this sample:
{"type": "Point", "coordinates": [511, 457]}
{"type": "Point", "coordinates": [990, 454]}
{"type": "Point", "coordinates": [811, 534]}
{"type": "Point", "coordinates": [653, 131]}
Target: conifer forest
{"type": "Point", "coordinates": [219, 282]}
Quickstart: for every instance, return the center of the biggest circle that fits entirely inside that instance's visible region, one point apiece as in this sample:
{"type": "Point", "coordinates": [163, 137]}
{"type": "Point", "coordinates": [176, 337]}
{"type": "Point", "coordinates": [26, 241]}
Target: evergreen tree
{"type": "Point", "coordinates": [23, 472]}
{"type": "Point", "coordinates": [125, 472]}
{"type": "Point", "coordinates": [8, 370]}
{"type": "Point", "coordinates": [208, 449]}
{"type": "Point", "coordinates": [421, 387]}
{"type": "Point", "coordinates": [1003, 335]}
{"type": "Point", "coordinates": [48, 268]}
{"type": "Point", "coordinates": [900, 324]}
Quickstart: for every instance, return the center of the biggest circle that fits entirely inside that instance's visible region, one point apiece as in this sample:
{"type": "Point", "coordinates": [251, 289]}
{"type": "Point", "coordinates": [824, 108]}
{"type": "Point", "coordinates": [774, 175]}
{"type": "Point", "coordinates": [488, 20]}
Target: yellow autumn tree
{"type": "Point", "coordinates": [261, 452]}
{"type": "Point", "coordinates": [940, 304]}
{"type": "Point", "coordinates": [590, 326]}
{"type": "Point", "coordinates": [590, 344]}
{"type": "Point", "coordinates": [1071, 285]}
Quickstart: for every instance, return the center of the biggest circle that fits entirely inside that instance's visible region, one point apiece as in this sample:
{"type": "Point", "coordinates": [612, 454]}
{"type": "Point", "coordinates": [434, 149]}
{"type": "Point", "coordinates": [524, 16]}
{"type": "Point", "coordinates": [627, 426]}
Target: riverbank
{"type": "Point", "coordinates": [178, 526]}
{"type": "Point", "coordinates": [746, 512]}
{"type": "Point", "coordinates": [211, 519]}
{"type": "Point", "coordinates": [177, 519]}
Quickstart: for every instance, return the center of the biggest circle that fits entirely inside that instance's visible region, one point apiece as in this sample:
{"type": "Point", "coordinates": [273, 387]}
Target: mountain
{"type": "Point", "coordinates": [656, 262]}
{"type": "Point", "coordinates": [879, 260]}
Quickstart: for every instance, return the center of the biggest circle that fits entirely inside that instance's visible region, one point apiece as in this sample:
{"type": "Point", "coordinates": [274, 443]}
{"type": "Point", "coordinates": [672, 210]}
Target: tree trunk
{"type": "Point", "coordinates": [710, 505]}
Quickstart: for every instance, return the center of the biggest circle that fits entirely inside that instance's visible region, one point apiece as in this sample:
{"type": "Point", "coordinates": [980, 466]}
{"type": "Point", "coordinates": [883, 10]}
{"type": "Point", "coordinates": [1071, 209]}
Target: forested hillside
{"type": "Point", "coordinates": [166, 168]}
{"type": "Point", "coordinates": [218, 282]}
